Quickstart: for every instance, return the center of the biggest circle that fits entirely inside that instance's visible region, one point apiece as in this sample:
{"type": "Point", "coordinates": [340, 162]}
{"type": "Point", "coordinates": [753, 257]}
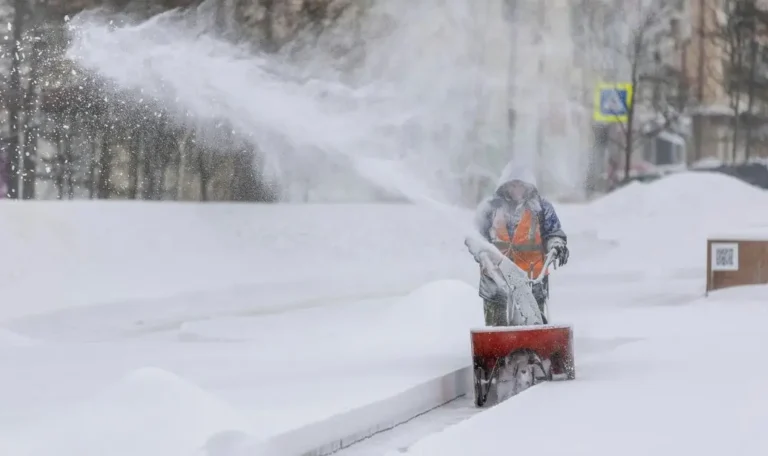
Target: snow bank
{"type": "Point", "coordinates": [693, 193]}
{"type": "Point", "coordinates": [434, 318]}
{"type": "Point", "coordinates": [149, 412]}
{"type": "Point", "coordinates": [310, 378]}
{"type": "Point", "coordinates": [670, 219]}
{"type": "Point", "coordinates": [344, 429]}
{"type": "Point", "coordinates": [59, 255]}
{"type": "Point", "coordinates": [11, 339]}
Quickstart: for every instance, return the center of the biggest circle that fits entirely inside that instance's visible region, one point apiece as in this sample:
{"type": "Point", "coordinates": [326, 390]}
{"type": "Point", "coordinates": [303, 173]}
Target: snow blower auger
{"type": "Point", "coordinates": [509, 359]}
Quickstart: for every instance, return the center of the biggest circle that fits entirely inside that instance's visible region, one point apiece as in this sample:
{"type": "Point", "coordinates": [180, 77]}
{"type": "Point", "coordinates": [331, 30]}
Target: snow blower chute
{"type": "Point", "coordinates": [508, 359]}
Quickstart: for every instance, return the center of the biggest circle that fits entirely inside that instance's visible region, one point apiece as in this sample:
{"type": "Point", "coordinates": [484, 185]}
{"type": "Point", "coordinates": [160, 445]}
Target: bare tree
{"type": "Point", "coordinates": [15, 98]}
{"type": "Point", "coordinates": [634, 44]}
{"type": "Point", "coordinates": [737, 30]}
{"type": "Point", "coordinates": [71, 135]}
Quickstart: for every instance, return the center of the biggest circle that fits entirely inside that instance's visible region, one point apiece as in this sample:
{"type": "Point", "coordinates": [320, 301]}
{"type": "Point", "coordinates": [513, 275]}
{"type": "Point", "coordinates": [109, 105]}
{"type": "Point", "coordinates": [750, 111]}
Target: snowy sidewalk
{"type": "Point", "coordinates": [262, 375]}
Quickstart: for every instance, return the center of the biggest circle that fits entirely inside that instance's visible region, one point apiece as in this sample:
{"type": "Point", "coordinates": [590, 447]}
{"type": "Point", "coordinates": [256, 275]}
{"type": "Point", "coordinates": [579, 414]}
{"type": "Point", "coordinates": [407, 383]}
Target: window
{"type": "Point", "coordinates": [674, 28]}
{"type": "Point", "coordinates": [648, 151]}
{"type": "Point", "coordinates": [664, 152]}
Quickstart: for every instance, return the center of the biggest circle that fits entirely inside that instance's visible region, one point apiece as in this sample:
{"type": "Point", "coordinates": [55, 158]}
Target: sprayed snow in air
{"type": "Point", "coordinates": [303, 121]}
{"type": "Point", "coordinates": [426, 108]}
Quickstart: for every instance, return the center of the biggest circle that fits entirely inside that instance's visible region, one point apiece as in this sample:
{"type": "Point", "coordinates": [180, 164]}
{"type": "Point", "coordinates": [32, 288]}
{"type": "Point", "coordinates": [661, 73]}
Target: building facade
{"type": "Point", "coordinates": [726, 65]}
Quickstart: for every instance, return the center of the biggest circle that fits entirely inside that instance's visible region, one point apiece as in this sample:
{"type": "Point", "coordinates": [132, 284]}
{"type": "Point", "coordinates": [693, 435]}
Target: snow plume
{"type": "Point", "coordinates": [417, 106]}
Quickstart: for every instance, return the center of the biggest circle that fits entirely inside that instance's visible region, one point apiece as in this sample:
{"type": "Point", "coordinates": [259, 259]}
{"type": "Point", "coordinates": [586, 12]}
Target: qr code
{"type": "Point", "coordinates": [724, 257]}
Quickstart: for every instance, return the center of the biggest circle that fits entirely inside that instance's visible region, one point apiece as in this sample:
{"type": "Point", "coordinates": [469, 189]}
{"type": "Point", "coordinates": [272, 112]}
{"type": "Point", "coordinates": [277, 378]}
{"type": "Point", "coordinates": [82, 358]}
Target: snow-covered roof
{"type": "Point", "coordinates": [747, 234]}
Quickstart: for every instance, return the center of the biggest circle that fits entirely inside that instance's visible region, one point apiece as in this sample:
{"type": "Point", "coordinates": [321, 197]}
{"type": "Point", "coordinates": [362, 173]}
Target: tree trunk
{"type": "Point", "coordinates": [204, 175]}
{"type": "Point", "coordinates": [181, 173]}
{"type": "Point", "coordinates": [105, 167]}
{"type": "Point", "coordinates": [268, 27]}
{"type": "Point", "coordinates": [736, 105]}
{"type": "Point", "coordinates": [148, 181]}
{"type": "Point", "coordinates": [133, 164]}
{"type": "Point", "coordinates": [629, 136]}
{"type": "Point", "coordinates": [161, 175]}
{"type": "Point", "coordinates": [750, 96]}
{"type": "Point", "coordinates": [164, 154]}
{"type": "Point", "coordinates": [15, 100]}
{"type": "Point", "coordinates": [92, 164]}
{"type": "Point", "coordinates": [58, 179]}
{"type": "Point", "coordinates": [31, 134]}
{"type": "Point", "coordinates": [68, 161]}
{"type": "Point", "coordinates": [697, 122]}
{"type": "Point", "coordinates": [736, 91]}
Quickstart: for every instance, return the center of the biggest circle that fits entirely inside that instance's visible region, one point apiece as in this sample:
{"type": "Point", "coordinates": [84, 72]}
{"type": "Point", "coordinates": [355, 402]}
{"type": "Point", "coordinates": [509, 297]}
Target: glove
{"type": "Point", "coordinates": [561, 251]}
{"type": "Point", "coordinates": [488, 289]}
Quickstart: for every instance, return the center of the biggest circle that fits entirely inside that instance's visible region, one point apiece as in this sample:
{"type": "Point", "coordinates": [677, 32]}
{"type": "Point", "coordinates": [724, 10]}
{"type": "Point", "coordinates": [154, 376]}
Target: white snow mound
{"type": "Point", "coordinates": [686, 192]}
{"type": "Point", "coordinates": [12, 339]}
{"type": "Point", "coordinates": [436, 312]}
{"type": "Point", "coordinates": [671, 218]}
{"type": "Point", "coordinates": [91, 253]}
{"type": "Point", "coordinates": [443, 304]}
{"type": "Point", "coordinates": [149, 412]}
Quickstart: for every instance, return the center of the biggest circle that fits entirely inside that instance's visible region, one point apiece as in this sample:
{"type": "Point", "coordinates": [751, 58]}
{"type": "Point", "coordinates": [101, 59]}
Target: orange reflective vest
{"type": "Point", "coordinates": [524, 246]}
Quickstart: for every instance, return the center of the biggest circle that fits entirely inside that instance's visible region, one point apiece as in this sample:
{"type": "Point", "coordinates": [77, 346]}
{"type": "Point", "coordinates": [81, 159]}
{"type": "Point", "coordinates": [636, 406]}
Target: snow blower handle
{"type": "Point", "coordinates": [489, 258]}
{"type": "Point", "coordinates": [548, 262]}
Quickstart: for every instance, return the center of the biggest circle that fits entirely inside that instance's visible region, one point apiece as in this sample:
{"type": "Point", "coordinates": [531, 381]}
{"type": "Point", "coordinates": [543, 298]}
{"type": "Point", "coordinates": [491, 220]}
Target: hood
{"type": "Point", "coordinates": [519, 172]}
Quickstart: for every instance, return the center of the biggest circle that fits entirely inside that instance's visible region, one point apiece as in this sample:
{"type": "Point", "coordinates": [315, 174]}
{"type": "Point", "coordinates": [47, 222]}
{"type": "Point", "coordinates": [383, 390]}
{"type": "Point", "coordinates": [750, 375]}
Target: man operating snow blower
{"type": "Point", "coordinates": [523, 225]}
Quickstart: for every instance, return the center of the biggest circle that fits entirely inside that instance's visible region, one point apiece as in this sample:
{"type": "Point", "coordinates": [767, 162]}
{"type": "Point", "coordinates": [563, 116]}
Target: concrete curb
{"type": "Point", "coordinates": [340, 431]}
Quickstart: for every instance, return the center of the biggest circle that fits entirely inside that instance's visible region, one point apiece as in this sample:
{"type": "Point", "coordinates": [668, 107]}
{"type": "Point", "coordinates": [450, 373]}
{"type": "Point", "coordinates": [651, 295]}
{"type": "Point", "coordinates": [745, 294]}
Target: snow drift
{"type": "Point", "coordinates": [90, 253]}
{"type": "Point", "coordinates": [694, 194]}
{"type": "Point", "coordinates": [668, 219]}
{"type": "Point", "coordinates": [149, 411]}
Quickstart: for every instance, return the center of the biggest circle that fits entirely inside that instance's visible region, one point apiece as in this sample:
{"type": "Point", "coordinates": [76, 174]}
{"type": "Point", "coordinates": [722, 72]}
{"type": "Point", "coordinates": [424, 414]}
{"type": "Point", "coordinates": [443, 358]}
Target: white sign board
{"type": "Point", "coordinates": [725, 256]}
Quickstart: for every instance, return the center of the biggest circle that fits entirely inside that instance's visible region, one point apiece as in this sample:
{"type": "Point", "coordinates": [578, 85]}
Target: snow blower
{"type": "Point", "coordinates": [528, 350]}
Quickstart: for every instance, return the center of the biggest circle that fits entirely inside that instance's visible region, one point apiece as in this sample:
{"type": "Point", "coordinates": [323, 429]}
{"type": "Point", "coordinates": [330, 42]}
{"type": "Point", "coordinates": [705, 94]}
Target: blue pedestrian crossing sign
{"type": "Point", "coordinates": [612, 102]}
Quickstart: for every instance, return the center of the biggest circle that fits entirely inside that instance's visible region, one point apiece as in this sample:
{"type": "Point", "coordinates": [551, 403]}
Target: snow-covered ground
{"type": "Point", "coordinates": [145, 329]}
{"type": "Point", "coordinates": [68, 255]}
